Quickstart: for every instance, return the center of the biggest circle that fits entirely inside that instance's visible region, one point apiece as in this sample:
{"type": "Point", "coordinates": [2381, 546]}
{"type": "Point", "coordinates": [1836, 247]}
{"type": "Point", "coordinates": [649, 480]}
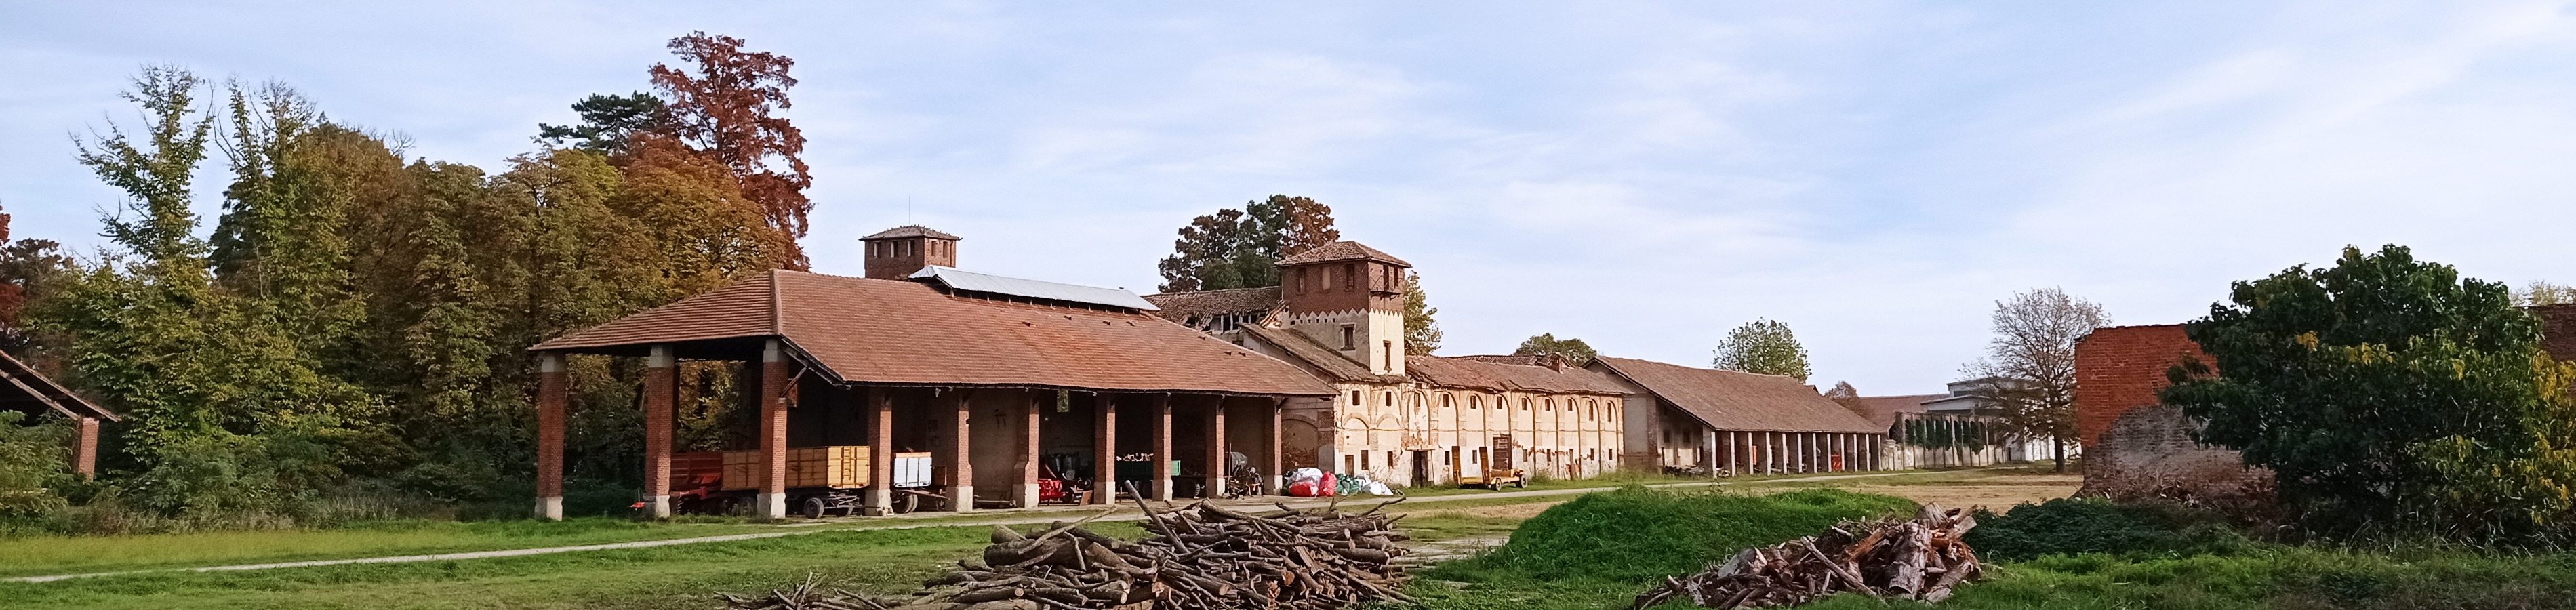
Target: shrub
{"type": "Point", "coordinates": [1637, 533]}
{"type": "Point", "coordinates": [2069, 526]}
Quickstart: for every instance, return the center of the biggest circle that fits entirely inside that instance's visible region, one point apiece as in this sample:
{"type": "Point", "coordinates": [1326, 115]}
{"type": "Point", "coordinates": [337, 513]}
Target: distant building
{"type": "Point", "coordinates": [1725, 423]}
{"type": "Point", "coordinates": [1961, 427]}
{"type": "Point", "coordinates": [1413, 420]}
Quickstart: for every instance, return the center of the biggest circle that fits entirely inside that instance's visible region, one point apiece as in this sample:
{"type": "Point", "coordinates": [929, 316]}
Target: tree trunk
{"type": "Point", "coordinates": [2057, 446]}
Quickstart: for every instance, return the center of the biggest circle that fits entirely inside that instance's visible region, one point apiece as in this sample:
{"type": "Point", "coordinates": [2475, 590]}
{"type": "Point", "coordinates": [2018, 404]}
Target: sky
{"type": "Point", "coordinates": [1644, 176]}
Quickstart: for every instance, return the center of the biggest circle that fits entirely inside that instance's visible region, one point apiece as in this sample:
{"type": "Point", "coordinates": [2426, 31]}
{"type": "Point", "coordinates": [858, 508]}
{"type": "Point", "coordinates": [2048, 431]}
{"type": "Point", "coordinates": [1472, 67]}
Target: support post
{"type": "Point", "coordinates": [551, 396]}
{"type": "Point", "coordinates": [1104, 469]}
{"type": "Point", "coordinates": [661, 382]}
{"type": "Point", "coordinates": [1215, 450]}
{"type": "Point", "coordinates": [1162, 467]}
{"type": "Point", "coordinates": [1271, 473]}
{"type": "Point", "coordinates": [880, 451]}
{"type": "Point", "coordinates": [1029, 450]}
{"type": "Point", "coordinates": [774, 390]}
{"type": "Point", "coordinates": [960, 448]}
{"type": "Point", "coordinates": [85, 449]}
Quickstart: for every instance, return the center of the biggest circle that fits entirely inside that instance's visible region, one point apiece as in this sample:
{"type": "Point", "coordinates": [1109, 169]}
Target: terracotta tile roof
{"type": "Point", "coordinates": [910, 231]}
{"type": "Point", "coordinates": [1730, 400]}
{"type": "Point", "coordinates": [1324, 361]}
{"type": "Point", "coordinates": [1519, 374]}
{"type": "Point", "coordinates": [1882, 410]}
{"type": "Point", "coordinates": [1182, 307]}
{"type": "Point", "coordinates": [23, 389]}
{"type": "Point", "coordinates": [1341, 251]}
{"type": "Point", "coordinates": [895, 332]}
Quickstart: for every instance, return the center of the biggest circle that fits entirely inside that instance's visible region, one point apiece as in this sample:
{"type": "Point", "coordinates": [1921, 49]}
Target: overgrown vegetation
{"type": "Point", "coordinates": [2073, 526]}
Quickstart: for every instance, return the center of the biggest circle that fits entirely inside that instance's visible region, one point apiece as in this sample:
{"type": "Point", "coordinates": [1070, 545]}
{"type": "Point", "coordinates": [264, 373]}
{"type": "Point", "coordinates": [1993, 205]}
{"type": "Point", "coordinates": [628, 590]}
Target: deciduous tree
{"type": "Point", "coordinates": [1573, 350]}
{"type": "Point", "coordinates": [1421, 332]}
{"type": "Point", "coordinates": [2029, 367]}
{"type": "Point", "coordinates": [725, 104]}
{"type": "Point", "coordinates": [1763, 346]}
{"type": "Point", "coordinates": [1241, 248]}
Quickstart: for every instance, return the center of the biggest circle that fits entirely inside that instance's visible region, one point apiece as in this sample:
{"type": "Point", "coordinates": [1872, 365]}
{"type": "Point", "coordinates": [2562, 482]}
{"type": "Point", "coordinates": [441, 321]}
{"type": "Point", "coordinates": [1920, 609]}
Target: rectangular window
{"type": "Point", "coordinates": [1301, 279]}
{"type": "Point", "coordinates": [1349, 337]}
{"type": "Point", "coordinates": [1364, 459]}
{"type": "Point", "coordinates": [1350, 276]}
{"type": "Point", "coordinates": [1355, 398]}
{"type": "Point", "coordinates": [1389, 348]}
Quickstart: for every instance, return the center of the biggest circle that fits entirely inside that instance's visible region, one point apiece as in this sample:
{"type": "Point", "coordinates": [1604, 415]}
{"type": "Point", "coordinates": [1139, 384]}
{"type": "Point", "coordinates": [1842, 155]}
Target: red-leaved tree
{"type": "Point", "coordinates": [724, 105]}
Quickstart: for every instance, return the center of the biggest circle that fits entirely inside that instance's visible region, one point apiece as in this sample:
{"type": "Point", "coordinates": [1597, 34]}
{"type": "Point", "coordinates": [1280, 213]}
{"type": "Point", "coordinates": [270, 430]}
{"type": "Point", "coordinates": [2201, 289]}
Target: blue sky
{"type": "Point", "coordinates": [1640, 175]}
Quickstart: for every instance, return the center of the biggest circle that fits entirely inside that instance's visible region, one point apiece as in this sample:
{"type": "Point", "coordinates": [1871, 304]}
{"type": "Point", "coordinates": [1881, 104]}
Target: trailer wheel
{"type": "Point", "coordinates": [1521, 483]}
{"type": "Point", "coordinates": [906, 503]}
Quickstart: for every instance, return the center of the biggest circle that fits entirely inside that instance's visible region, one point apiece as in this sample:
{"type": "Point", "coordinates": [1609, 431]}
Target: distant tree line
{"type": "Point", "coordinates": [356, 321]}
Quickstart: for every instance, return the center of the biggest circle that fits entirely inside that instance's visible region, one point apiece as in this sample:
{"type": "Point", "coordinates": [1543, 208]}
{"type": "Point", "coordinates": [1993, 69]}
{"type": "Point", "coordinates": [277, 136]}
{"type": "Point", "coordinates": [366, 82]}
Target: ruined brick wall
{"type": "Point", "coordinates": [2135, 448]}
{"type": "Point", "coordinates": [2557, 329]}
{"type": "Point", "coordinates": [2121, 368]}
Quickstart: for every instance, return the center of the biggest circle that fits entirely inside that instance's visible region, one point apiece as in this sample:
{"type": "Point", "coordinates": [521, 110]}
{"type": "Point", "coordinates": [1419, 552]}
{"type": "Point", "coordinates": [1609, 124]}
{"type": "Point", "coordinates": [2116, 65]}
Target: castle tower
{"type": "Point", "coordinates": [895, 253]}
{"type": "Point", "coordinates": [1349, 297]}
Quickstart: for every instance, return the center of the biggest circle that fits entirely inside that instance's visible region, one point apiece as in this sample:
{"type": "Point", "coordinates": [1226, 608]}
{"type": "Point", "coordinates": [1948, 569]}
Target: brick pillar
{"type": "Point", "coordinates": [85, 449]}
{"type": "Point", "coordinates": [1271, 472]}
{"type": "Point", "coordinates": [958, 444]}
{"type": "Point", "coordinates": [880, 450]}
{"type": "Point", "coordinates": [551, 391]}
{"type": "Point", "coordinates": [1029, 450]}
{"type": "Point", "coordinates": [661, 382]}
{"type": "Point", "coordinates": [1215, 448]}
{"type": "Point", "coordinates": [1160, 472]}
{"type": "Point", "coordinates": [774, 391]}
{"type": "Point", "coordinates": [1104, 441]}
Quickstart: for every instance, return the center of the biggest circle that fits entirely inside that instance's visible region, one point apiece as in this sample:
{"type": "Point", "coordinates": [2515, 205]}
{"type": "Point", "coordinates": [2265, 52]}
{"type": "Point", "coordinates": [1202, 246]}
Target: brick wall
{"type": "Point", "coordinates": [2149, 453]}
{"type": "Point", "coordinates": [2121, 368]}
{"type": "Point", "coordinates": [2557, 329]}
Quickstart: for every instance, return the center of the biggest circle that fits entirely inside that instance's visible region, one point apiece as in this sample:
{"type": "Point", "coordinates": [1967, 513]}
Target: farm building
{"type": "Point", "coordinates": [1963, 427]}
{"type": "Point", "coordinates": [1729, 422]}
{"type": "Point", "coordinates": [997, 381]}
{"type": "Point", "coordinates": [1399, 418]}
{"type": "Point", "coordinates": [30, 392]}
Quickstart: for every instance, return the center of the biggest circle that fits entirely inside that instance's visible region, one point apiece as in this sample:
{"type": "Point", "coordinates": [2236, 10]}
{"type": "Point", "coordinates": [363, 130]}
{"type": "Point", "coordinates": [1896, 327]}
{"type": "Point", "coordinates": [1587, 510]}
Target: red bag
{"type": "Point", "coordinates": [1329, 484]}
{"type": "Point", "coordinates": [1302, 489]}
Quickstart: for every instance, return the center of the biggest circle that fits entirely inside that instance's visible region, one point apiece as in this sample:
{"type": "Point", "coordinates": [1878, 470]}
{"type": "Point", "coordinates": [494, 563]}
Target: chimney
{"type": "Point", "coordinates": [896, 253]}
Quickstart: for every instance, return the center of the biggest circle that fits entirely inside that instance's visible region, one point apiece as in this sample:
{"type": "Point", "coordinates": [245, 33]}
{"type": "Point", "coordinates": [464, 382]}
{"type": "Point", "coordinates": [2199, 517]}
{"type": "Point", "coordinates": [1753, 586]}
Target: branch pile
{"type": "Point", "coordinates": [1201, 557]}
{"type": "Point", "coordinates": [1918, 559]}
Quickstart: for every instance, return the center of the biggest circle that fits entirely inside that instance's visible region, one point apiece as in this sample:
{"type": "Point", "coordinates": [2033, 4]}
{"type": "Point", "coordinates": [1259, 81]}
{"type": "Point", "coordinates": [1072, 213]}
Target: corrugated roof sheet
{"type": "Point", "coordinates": [910, 231]}
{"type": "Point", "coordinates": [1036, 289]}
{"type": "Point", "coordinates": [1202, 304]}
{"type": "Point", "coordinates": [1485, 373]}
{"type": "Point", "coordinates": [1341, 251]}
{"type": "Point", "coordinates": [1731, 400]}
{"type": "Point", "coordinates": [899, 332]}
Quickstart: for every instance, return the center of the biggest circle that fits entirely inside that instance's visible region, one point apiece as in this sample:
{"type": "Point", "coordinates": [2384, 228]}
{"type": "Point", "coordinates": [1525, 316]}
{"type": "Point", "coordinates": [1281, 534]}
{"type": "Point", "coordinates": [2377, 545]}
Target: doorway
{"type": "Point", "coordinates": [1421, 469]}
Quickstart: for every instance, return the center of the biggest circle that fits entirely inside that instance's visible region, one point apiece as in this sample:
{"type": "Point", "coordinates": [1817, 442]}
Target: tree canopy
{"type": "Point", "coordinates": [1573, 350]}
{"type": "Point", "coordinates": [1421, 332]}
{"type": "Point", "coordinates": [1765, 347]}
{"type": "Point", "coordinates": [1241, 248]}
{"type": "Point", "coordinates": [2390, 394]}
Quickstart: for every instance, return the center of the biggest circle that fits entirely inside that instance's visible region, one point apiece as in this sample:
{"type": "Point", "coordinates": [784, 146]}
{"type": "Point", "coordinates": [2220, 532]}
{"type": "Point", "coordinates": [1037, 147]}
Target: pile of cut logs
{"type": "Point", "coordinates": [1201, 557]}
{"type": "Point", "coordinates": [1918, 559]}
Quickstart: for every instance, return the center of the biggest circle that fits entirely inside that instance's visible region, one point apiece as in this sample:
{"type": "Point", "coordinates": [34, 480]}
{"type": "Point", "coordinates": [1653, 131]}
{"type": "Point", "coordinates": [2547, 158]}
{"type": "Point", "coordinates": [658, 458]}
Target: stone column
{"type": "Point", "coordinates": [1161, 470]}
{"type": "Point", "coordinates": [661, 382]}
{"type": "Point", "coordinates": [85, 449]}
{"type": "Point", "coordinates": [774, 390]}
{"type": "Point", "coordinates": [1215, 448]}
{"type": "Point", "coordinates": [551, 396]}
{"type": "Point", "coordinates": [880, 450]}
{"type": "Point", "coordinates": [959, 445]}
{"type": "Point", "coordinates": [1029, 450]}
{"type": "Point", "coordinates": [1104, 439]}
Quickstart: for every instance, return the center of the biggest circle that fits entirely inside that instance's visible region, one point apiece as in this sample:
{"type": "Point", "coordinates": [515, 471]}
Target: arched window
{"type": "Point", "coordinates": [1524, 404]}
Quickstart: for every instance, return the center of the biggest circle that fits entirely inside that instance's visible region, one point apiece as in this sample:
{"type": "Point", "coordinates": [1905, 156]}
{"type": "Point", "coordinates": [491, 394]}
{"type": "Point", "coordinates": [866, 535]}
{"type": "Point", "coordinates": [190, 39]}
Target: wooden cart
{"type": "Point", "coordinates": [820, 480]}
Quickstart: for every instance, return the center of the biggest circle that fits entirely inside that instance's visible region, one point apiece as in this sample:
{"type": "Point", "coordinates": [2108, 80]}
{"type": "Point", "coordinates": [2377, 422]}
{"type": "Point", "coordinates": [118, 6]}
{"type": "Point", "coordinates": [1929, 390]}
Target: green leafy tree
{"type": "Point", "coordinates": [608, 122]}
{"type": "Point", "coordinates": [31, 461]}
{"type": "Point", "coordinates": [1765, 347]}
{"type": "Point", "coordinates": [2029, 368]}
{"type": "Point", "coordinates": [1241, 248]}
{"type": "Point", "coordinates": [1573, 350]}
{"type": "Point", "coordinates": [1421, 332]}
{"type": "Point", "coordinates": [2387, 393]}
{"type": "Point", "coordinates": [30, 270]}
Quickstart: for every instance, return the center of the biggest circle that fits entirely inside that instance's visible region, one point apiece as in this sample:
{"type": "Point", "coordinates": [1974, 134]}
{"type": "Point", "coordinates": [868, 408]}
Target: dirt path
{"type": "Point", "coordinates": [1014, 517]}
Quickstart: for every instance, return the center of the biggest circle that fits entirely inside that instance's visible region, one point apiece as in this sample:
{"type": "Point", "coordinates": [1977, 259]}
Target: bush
{"type": "Point", "coordinates": [1637, 533]}
{"type": "Point", "coordinates": [2069, 526]}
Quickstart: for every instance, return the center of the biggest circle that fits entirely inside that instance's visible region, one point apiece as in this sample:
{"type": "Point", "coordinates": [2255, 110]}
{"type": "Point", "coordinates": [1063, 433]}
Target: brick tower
{"type": "Point", "coordinates": [893, 254]}
{"type": "Point", "coordinates": [1350, 298]}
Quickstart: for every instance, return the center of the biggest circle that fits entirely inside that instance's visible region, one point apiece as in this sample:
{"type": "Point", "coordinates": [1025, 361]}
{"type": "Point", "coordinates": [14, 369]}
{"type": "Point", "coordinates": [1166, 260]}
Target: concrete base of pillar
{"type": "Point", "coordinates": [658, 507]}
{"type": "Point", "coordinates": [1028, 495]}
{"type": "Point", "coordinates": [1215, 488]}
{"type": "Point", "coordinates": [961, 498]}
{"type": "Point", "coordinates": [770, 506]}
{"type": "Point", "coordinates": [1163, 488]}
{"type": "Point", "coordinates": [550, 508]}
{"type": "Point", "coordinates": [880, 501]}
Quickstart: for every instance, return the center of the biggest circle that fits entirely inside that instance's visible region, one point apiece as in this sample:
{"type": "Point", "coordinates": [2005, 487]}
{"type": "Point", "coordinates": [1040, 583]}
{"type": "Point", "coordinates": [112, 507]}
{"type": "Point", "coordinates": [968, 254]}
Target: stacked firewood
{"type": "Point", "coordinates": [1201, 557]}
{"type": "Point", "coordinates": [1918, 559]}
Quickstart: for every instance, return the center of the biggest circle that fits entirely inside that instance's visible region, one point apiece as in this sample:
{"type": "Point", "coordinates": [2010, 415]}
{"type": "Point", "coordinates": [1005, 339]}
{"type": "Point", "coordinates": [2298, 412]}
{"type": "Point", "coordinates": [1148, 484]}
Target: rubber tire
{"type": "Point", "coordinates": [813, 508]}
{"type": "Point", "coordinates": [1520, 483]}
{"type": "Point", "coordinates": [906, 503]}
